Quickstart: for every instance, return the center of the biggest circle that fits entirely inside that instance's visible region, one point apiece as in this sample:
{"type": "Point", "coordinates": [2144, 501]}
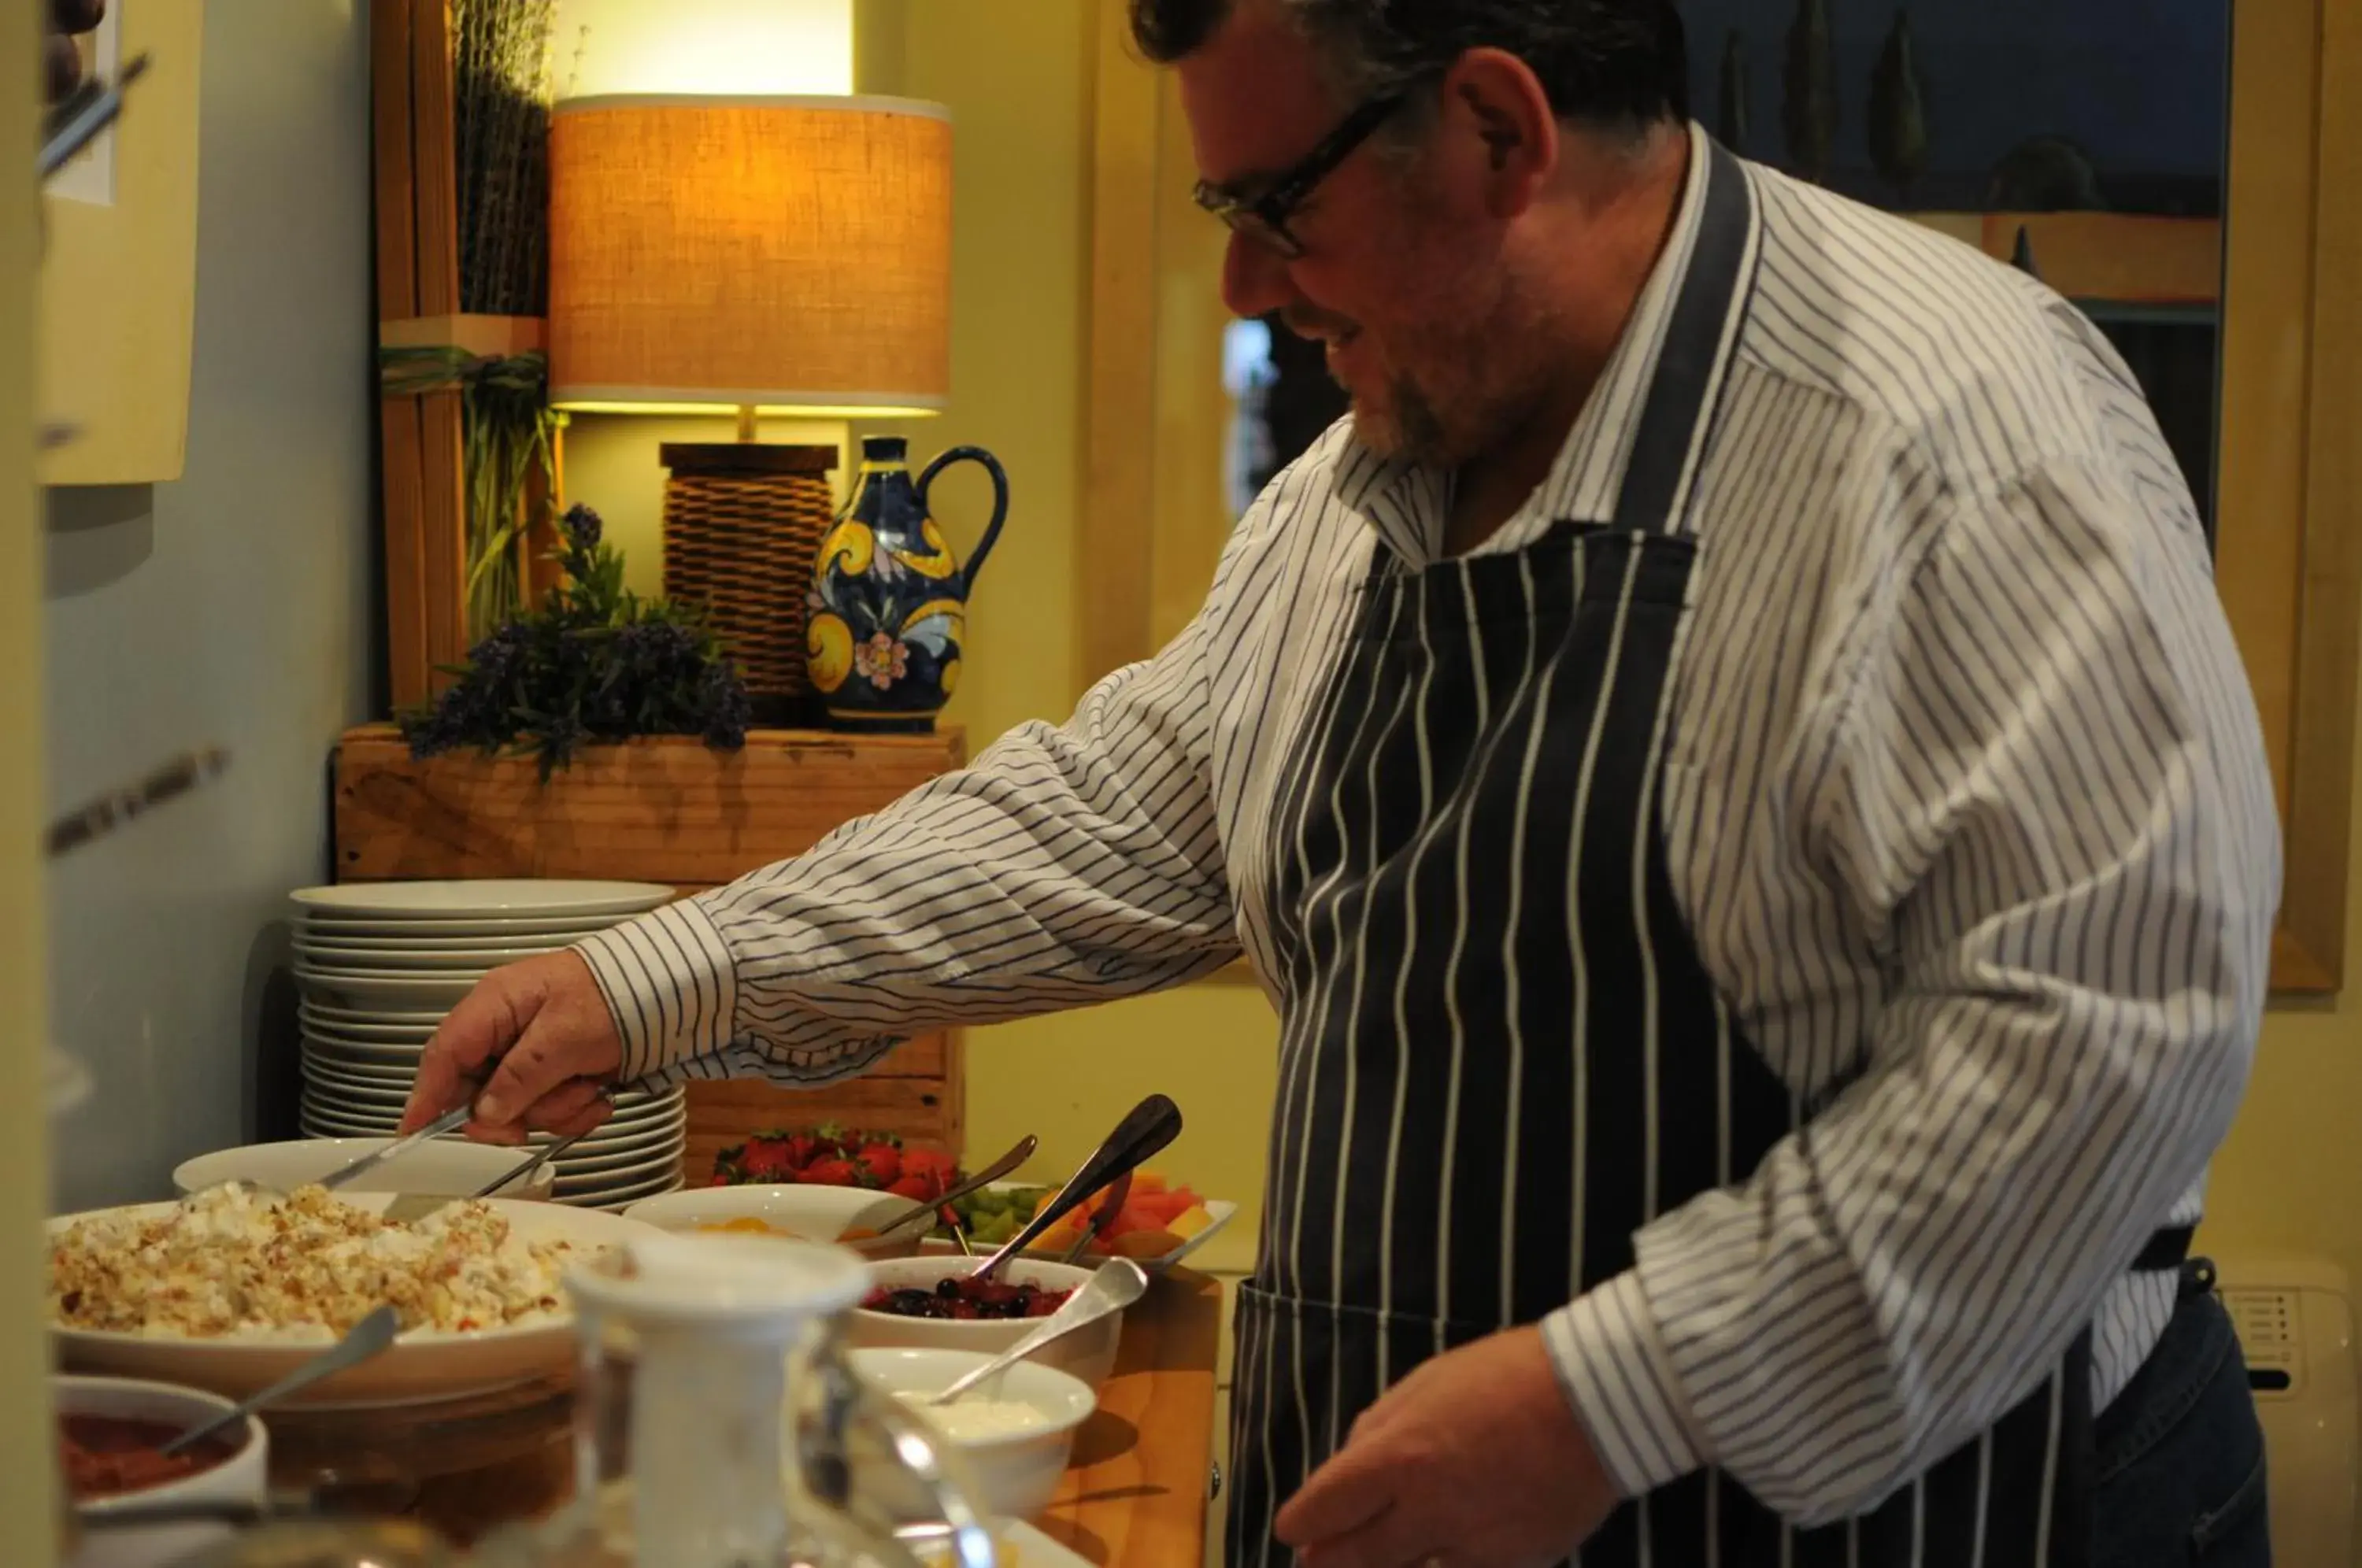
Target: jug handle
{"type": "Point", "coordinates": [999, 503]}
{"type": "Point", "coordinates": [921, 1453]}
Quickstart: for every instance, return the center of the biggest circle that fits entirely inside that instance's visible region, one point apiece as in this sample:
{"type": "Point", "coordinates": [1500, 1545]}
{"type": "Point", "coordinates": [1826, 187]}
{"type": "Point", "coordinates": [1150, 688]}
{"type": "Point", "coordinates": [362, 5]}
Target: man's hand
{"type": "Point", "coordinates": [60, 61]}
{"type": "Point", "coordinates": [1473, 1461]}
{"type": "Point", "coordinates": [536, 1037]}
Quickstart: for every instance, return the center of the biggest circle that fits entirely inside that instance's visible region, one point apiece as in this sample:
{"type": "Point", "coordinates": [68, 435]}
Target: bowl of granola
{"type": "Point", "coordinates": [230, 1289]}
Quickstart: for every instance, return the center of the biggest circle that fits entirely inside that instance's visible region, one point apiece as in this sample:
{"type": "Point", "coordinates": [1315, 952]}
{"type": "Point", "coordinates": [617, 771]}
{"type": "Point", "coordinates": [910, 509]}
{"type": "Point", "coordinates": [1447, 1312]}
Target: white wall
{"type": "Point", "coordinates": [233, 607]}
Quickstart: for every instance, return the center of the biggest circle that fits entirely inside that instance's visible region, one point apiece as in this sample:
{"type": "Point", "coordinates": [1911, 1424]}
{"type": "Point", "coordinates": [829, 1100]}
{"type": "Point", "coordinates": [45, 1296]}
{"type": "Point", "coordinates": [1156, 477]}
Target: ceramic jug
{"type": "Point", "coordinates": [714, 1420]}
{"type": "Point", "coordinates": [888, 602]}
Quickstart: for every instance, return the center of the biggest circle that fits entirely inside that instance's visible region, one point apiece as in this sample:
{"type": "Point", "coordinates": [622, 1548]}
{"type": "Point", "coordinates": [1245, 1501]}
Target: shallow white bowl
{"type": "Point", "coordinates": [1018, 1473]}
{"type": "Point", "coordinates": [1089, 1353]}
{"type": "Point", "coordinates": [807, 1213]}
{"type": "Point", "coordinates": [423, 1365]}
{"type": "Point", "coordinates": [441, 1168]}
{"type": "Point", "coordinates": [243, 1478]}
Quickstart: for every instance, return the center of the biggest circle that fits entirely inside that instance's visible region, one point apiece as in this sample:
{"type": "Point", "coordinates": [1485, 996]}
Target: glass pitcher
{"type": "Point", "coordinates": [717, 1423]}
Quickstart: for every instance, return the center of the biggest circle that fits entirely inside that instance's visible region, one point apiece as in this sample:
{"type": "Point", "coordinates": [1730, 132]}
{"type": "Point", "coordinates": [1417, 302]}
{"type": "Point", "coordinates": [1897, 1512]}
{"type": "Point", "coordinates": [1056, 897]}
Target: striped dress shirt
{"type": "Point", "coordinates": [1964, 798]}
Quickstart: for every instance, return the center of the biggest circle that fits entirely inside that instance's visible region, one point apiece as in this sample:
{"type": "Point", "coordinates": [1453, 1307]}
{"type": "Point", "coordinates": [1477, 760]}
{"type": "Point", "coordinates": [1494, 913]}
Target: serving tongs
{"type": "Point", "coordinates": [1154, 1123]}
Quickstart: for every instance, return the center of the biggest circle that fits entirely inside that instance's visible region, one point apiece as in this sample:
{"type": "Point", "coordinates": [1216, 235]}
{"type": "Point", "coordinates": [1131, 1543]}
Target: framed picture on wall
{"type": "Point", "coordinates": [119, 272]}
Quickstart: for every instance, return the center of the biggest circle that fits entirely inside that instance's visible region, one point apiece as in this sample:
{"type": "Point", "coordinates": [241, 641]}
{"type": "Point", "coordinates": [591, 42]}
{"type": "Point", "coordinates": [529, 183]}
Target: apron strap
{"type": "Point", "coordinates": [1693, 362]}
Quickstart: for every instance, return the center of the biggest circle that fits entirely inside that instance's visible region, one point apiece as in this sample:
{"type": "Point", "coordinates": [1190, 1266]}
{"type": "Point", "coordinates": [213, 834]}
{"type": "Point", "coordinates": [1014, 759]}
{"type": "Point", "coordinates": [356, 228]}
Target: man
{"type": "Point", "coordinates": [1732, 771]}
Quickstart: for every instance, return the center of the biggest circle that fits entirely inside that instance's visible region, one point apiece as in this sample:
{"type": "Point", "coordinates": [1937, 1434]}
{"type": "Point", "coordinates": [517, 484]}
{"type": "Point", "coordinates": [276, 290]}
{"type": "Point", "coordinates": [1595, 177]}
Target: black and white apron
{"type": "Point", "coordinates": [1501, 1055]}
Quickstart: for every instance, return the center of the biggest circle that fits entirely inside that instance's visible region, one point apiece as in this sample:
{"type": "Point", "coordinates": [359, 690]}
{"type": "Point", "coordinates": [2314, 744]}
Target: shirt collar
{"type": "Point", "coordinates": [1406, 504]}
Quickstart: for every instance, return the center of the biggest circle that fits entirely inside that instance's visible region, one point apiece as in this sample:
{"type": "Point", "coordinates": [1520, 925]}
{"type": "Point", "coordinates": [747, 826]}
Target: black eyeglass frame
{"type": "Point", "coordinates": [1264, 216]}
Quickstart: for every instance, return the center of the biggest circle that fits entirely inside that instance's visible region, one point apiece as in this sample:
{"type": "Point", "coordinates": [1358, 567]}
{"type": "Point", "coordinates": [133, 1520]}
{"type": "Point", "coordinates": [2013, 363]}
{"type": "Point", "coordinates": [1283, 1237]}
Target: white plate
{"type": "Point", "coordinates": [620, 1156]}
{"type": "Point", "coordinates": [417, 939]}
{"type": "Point", "coordinates": [336, 1017]}
{"type": "Point", "coordinates": [472, 929]}
{"type": "Point", "coordinates": [327, 1115]}
{"type": "Point", "coordinates": [538, 896]}
{"type": "Point", "coordinates": [406, 988]}
{"type": "Point", "coordinates": [617, 1200]}
{"type": "Point", "coordinates": [662, 1166]}
{"type": "Point", "coordinates": [373, 1097]}
{"type": "Point", "coordinates": [374, 1052]}
{"type": "Point", "coordinates": [327, 1069]}
{"type": "Point", "coordinates": [620, 1205]}
{"type": "Point", "coordinates": [378, 960]}
{"type": "Point", "coordinates": [421, 1367]}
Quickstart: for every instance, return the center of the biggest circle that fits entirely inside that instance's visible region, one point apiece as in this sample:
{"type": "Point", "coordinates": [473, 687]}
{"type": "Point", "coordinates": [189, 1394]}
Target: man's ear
{"type": "Point", "coordinates": [1498, 123]}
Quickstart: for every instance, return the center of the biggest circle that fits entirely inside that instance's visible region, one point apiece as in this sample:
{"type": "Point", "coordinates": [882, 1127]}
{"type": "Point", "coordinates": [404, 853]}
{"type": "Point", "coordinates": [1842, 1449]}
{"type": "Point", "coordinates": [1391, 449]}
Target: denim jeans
{"type": "Point", "coordinates": [2178, 1474]}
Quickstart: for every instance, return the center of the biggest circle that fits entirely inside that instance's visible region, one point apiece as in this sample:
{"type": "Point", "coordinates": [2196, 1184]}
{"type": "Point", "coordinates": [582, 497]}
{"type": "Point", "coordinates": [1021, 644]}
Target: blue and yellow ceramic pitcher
{"type": "Point", "coordinates": [889, 601]}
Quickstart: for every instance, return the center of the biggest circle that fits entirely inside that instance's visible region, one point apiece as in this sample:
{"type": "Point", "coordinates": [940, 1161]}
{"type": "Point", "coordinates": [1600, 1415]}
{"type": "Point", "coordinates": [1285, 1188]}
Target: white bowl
{"type": "Point", "coordinates": [442, 1168]}
{"type": "Point", "coordinates": [804, 1213]}
{"type": "Point", "coordinates": [423, 1366]}
{"type": "Point", "coordinates": [243, 1478]}
{"type": "Point", "coordinates": [1017, 1473]}
{"type": "Point", "coordinates": [1089, 1353]}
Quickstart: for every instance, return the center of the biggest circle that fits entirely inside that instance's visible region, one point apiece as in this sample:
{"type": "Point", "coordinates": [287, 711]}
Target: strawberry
{"type": "Point", "coordinates": [765, 1162]}
{"type": "Point", "coordinates": [883, 1161]}
{"type": "Point", "coordinates": [833, 1173]}
{"type": "Point", "coordinates": [928, 1161]}
{"type": "Point", "coordinates": [917, 1188]}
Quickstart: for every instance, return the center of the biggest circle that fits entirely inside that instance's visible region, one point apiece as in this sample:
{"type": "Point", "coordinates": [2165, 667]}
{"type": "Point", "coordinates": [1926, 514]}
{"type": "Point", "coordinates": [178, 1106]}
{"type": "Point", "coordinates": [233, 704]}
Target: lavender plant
{"type": "Point", "coordinates": [595, 664]}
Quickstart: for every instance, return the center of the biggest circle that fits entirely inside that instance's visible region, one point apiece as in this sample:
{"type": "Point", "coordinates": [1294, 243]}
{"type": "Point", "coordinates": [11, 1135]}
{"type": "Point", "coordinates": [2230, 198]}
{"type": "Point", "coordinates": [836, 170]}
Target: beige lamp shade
{"type": "Point", "coordinates": [789, 255]}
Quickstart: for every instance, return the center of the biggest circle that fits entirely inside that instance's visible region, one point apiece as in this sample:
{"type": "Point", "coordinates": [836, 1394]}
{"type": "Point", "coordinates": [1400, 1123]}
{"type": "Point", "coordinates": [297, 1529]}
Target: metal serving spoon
{"type": "Point", "coordinates": [367, 1338]}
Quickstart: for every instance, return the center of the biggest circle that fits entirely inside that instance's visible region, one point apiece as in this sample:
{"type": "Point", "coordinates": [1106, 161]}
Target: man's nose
{"type": "Point", "coordinates": [1255, 278]}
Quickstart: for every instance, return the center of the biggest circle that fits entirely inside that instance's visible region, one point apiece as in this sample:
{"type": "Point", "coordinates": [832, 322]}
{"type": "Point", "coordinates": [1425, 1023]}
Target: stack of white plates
{"type": "Point", "coordinates": [380, 964]}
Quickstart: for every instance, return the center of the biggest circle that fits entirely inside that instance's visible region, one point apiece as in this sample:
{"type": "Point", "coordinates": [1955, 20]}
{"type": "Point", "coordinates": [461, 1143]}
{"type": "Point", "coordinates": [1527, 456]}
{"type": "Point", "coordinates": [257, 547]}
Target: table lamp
{"type": "Point", "coordinates": [746, 257]}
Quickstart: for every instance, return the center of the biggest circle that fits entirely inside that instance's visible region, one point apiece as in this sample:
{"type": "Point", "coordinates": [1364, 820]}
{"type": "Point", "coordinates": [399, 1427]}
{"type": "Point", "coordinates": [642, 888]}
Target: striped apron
{"type": "Point", "coordinates": [1501, 1055]}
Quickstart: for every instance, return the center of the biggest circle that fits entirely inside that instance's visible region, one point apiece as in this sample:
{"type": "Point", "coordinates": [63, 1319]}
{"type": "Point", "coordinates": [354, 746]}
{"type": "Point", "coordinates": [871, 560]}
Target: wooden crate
{"type": "Point", "coordinates": [663, 810]}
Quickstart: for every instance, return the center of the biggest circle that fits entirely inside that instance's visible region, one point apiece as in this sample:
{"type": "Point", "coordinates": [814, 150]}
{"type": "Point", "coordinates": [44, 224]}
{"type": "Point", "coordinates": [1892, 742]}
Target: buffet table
{"type": "Point", "coordinates": [1134, 1496]}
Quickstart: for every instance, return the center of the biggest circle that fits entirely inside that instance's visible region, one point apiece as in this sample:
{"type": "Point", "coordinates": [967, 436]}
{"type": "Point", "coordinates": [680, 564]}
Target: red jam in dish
{"type": "Point", "coordinates": [962, 1297]}
{"type": "Point", "coordinates": [106, 1456]}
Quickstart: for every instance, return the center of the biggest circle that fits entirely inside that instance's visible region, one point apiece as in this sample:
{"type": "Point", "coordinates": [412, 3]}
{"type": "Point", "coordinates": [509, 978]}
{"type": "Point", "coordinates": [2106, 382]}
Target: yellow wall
{"type": "Point", "coordinates": [1020, 100]}
{"type": "Point", "coordinates": [28, 1459]}
{"type": "Point", "coordinates": [2290, 1179]}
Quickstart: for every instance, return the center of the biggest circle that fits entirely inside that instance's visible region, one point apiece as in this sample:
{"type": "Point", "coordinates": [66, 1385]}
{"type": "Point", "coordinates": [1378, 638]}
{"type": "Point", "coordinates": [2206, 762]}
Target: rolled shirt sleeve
{"type": "Point", "coordinates": [2044, 800]}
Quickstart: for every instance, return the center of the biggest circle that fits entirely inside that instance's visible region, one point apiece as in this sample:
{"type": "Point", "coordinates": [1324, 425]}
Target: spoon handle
{"type": "Point", "coordinates": [368, 1337]}
{"type": "Point", "coordinates": [1101, 1220]}
{"type": "Point", "coordinates": [1019, 1152]}
{"type": "Point", "coordinates": [1153, 1122]}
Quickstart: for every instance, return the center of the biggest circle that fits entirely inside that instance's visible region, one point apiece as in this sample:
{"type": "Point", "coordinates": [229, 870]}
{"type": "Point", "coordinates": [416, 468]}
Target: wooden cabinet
{"type": "Point", "coordinates": [664, 810]}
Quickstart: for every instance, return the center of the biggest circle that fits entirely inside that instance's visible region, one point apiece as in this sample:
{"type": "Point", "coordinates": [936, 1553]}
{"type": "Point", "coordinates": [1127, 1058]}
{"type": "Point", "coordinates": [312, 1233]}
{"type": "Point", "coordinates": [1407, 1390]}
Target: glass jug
{"type": "Point", "coordinates": [717, 1423]}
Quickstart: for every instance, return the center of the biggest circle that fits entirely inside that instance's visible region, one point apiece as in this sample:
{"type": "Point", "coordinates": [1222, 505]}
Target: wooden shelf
{"type": "Point", "coordinates": [666, 809]}
{"type": "Point", "coordinates": [487, 337]}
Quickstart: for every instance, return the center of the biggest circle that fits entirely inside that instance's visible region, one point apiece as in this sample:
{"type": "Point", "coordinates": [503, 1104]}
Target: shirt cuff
{"type": "Point", "coordinates": [1615, 1371]}
{"type": "Point", "coordinates": [671, 987]}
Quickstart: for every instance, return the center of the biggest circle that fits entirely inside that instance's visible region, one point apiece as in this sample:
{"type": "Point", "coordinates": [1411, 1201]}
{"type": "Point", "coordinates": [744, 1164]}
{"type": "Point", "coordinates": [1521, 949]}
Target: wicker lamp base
{"type": "Point", "coordinates": [742, 524]}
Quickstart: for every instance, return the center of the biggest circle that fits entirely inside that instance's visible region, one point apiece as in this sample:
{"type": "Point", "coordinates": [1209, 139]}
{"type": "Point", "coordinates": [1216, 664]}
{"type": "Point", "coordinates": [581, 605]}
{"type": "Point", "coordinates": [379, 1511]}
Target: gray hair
{"type": "Point", "coordinates": [1615, 65]}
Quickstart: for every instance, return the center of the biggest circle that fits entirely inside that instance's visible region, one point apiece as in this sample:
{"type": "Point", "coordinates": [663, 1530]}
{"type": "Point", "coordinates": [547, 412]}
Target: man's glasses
{"type": "Point", "coordinates": [1262, 214]}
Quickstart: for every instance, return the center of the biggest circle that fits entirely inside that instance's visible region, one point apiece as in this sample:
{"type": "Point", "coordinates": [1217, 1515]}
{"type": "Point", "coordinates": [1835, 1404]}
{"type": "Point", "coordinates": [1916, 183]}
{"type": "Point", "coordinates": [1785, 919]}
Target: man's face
{"type": "Point", "coordinates": [1402, 275]}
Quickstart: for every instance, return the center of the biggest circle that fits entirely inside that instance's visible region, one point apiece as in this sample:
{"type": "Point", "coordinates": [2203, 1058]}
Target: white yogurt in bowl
{"type": "Point", "coordinates": [1016, 1430]}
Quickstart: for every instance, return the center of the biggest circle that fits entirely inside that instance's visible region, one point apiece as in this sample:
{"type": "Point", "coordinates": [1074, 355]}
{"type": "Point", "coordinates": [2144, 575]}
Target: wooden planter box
{"type": "Point", "coordinates": [671, 810]}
